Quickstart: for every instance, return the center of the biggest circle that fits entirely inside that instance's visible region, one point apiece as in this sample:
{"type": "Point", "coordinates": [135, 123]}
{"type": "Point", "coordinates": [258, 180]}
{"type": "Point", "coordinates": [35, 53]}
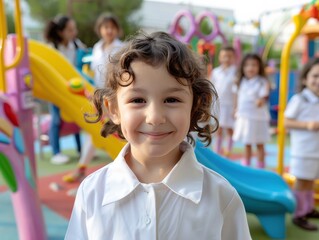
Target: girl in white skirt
{"type": "Point", "coordinates": [223, 78]}
{"type": "Point", "coordinates": [252, 115]}
{"type": "Point", "coordinates": [302, 118]}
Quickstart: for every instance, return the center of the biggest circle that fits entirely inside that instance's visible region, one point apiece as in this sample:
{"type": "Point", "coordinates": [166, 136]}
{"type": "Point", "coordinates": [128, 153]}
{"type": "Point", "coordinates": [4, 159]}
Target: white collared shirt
{"type": "Point", "coordinates": [250, 90]}
{"type": "Point", "coordinates": [192, 202]}
{"type": "Point", "coordinates": [69, 51]}
{"type": "Point", "coordinates": [304, 107]}
{"type": "Point", "coordinates": [100, 58]}
{"type": "Point", "coordinates": [223, 80]}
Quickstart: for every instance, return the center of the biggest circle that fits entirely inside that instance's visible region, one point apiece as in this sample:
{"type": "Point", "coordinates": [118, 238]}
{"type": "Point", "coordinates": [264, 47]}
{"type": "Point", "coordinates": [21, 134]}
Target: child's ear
{"type": "Point", "coordinates": [112, 111]}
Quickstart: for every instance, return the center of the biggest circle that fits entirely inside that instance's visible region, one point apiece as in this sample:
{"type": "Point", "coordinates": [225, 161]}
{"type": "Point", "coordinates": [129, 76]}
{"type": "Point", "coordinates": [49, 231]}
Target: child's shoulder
{"type": "Point", "coordinates": [217, 69]}
{"type": "Point", "coordinates": [98, 45]}
{"type": "Point", "coordinates": [216, 181]}
{"type": "Point", "coordinates": [96, 178]}
{"type": "Point", "coordinates": [262, 79]}
{"type": "Point", "coordinates": [214, 176]}
{"type": "Point", "coordinates": [297, 98]}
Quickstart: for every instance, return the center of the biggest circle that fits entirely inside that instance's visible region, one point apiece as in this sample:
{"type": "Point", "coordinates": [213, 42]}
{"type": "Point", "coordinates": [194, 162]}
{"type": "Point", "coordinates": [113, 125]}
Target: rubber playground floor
{"type": "Point", "coordinates": [57, 205]}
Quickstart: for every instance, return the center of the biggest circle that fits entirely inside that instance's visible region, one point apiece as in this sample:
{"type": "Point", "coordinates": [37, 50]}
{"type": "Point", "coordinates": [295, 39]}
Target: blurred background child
{"type": "Point", "coordinates": [302, 118]}
{"type": "Point", "coordinates": [223, 78]}
{"type": "Point", "coordinates": [108, 29]}
{"type": "Point", "coordinates": [61, 34]}
{"type": "Point", "coordinates": [252, 114]}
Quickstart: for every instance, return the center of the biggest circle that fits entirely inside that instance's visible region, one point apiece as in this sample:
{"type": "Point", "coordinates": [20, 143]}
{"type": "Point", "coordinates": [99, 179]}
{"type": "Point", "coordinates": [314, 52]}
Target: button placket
{"type": "Point", "coordinates": [148, 203]}
{"type": "Point", "coordinates": [149, 219]}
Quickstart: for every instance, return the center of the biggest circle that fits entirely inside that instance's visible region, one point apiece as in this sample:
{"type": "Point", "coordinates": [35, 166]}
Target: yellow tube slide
{"type": "Point", "coordinates": [51, 73]}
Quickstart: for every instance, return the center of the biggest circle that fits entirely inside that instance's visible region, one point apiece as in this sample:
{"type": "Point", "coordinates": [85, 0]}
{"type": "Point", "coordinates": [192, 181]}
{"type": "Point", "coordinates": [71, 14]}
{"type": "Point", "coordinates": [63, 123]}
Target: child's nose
{"type": "Point", "coordinates": [155, 115]}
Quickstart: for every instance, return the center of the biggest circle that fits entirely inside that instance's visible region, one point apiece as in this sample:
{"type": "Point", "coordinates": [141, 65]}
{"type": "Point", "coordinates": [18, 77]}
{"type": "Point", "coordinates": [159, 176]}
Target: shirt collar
{"type": "Point", "coordinates": [310, 96]}
{"type": "Point", "coordinates": [251, 80]}
{"type": "Point", "coordinates": [116, 43]}
{"type": "Point", "coordinates": [231, 68]}
{"type": "Point", "coordinates": [185, 179]}
{"type": "Point", "coordinates": [187, 176]}
{"type": "Point", "coordinates": [68, 47]}
{"type": "Point", "coordinates": [120, 180]}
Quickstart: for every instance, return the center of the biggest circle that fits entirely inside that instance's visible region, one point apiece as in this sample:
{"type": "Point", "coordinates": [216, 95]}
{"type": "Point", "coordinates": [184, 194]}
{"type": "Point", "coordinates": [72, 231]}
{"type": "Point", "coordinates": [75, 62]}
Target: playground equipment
{"type": "Point", "coordinates": [46, 63]}
{"type": "Point", "coordinates": [83, 61]}
{"type": "Point", "coordinates": [310, 33]}
{"type": "Point", "coordinates": [274, 93]}
{"type": "Point", "coordinates": [52, 79]}
{"type": "Point", "coordinates": [205, 43]}
{"type": "Point", "coordinates": [16, 145]}
{"type": "Point", "coordinates": [307, 12]}
{"type": "Point", "coordinates": [273, 38]}
{"type": "Point", "coordinates": [194, 28]}
{"type": "Point", "coordinates": [264, 193]}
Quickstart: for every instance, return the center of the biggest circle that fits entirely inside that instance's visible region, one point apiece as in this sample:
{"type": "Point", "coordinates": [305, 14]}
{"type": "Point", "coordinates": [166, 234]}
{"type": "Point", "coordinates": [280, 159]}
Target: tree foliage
{"type": "Point", "coordinates": [85, 13]}
{"type": "Point", "coordinates": [9, 18]}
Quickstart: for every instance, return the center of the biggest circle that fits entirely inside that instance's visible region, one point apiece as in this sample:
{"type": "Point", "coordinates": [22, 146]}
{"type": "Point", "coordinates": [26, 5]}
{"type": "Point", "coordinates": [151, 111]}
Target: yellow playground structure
{"type": "Point", "coordinates": [307, 12]}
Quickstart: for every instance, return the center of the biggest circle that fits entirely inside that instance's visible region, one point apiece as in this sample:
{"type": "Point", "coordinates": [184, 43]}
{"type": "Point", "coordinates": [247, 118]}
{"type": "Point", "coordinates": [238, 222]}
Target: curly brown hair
{"type": "Point", "coordinates": [156, 49]}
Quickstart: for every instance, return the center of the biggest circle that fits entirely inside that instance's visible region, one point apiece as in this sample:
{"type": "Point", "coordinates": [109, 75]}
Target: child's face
{"type": "Point", "coordinates": [109, 32]}
{"type": "Point", "coordinates": [226, 58]}
{"type": "Point", "coordinates": [154, 112]}
{"type": "Point", "coordinates": [70, 31]}
{"type": "Point", "coordinates": [251, 68]}
{"type": "Point", "coordinates": [312, 80]}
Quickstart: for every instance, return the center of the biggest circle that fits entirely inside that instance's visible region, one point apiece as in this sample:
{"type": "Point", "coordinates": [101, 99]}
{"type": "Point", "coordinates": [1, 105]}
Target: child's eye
{"type": "Point", "coordinates": [138, 100]}
{"type": "Point", "coordinates": [171, 100]}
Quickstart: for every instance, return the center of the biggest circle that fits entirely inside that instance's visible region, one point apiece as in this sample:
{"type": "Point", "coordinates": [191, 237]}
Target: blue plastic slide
{"type": "Point", "coordinates": [264, 193]}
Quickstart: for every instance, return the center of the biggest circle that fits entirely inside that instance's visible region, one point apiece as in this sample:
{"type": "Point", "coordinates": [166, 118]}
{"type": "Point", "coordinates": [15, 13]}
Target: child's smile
{"type": "Point", "coordinates": [156, 135]}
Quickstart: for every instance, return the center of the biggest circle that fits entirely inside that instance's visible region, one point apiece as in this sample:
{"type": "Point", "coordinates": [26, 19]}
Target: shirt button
{"type": "Point", "coordinates": [147, 220]}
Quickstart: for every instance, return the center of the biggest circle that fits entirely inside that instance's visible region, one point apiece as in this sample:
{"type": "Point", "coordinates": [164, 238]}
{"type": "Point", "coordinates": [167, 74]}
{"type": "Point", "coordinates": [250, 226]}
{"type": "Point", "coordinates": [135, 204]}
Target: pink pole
{"type": "Point", "coordinates": [25, 200]}
{"type": "Point", "coordinates": [26, 204]}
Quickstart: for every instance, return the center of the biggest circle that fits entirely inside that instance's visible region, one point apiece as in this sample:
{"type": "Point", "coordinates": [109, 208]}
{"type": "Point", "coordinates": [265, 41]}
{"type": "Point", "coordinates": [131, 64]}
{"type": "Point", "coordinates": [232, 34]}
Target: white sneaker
{"type": "Point", "coordinates": [60, 159]}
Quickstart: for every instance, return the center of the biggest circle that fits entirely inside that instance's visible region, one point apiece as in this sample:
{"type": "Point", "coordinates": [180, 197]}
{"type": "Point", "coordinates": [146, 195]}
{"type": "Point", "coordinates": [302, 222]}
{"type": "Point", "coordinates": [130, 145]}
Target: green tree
{"type": "Point", "coordinates": [85, 13]}
{"type": "Point", "coordinates": [9, 18]}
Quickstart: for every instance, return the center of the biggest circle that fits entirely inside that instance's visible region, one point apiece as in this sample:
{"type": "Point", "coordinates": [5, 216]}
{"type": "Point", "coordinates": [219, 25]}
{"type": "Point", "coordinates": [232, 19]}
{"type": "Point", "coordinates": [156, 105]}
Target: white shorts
{"type": "Point", "coordinates": [250, 131]}
{"type": "Point", "coordinates": [304, 168]}
{"type": "Point", "coordinates": [226, 118]}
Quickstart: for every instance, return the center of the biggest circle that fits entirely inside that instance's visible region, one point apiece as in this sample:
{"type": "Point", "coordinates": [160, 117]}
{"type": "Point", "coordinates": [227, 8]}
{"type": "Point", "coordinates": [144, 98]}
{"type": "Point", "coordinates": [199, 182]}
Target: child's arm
{"type": "Point", "coordinates": [235, 100]}
{"type": "Point", "coordinates": [261, 101]}
{"type": "Point", "coordinates": [263, 94]}
{"type": "Point", "coordinates": [211, 76]}
{"type": "Point", "coordinates": [235, 224]}
{"type": "Point", "coordinates": [303, 125]}
{"type": "Point", "coordinates": [235, 97]}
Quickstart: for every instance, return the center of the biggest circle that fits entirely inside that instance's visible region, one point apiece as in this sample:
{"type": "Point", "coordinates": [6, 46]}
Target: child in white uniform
{"type": "Point", "coordinates": [252, 114]}
{"type": "Point", "coordinates": [61, 34]}
{"type": "Point", "coordinates": [107, 27]}
{"type": "Point", "coordinates": [223, 77]}
{"type": "Point", "coordinates": [156, 94]}
{"type": "Point", "coordinates": [302, 118]}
